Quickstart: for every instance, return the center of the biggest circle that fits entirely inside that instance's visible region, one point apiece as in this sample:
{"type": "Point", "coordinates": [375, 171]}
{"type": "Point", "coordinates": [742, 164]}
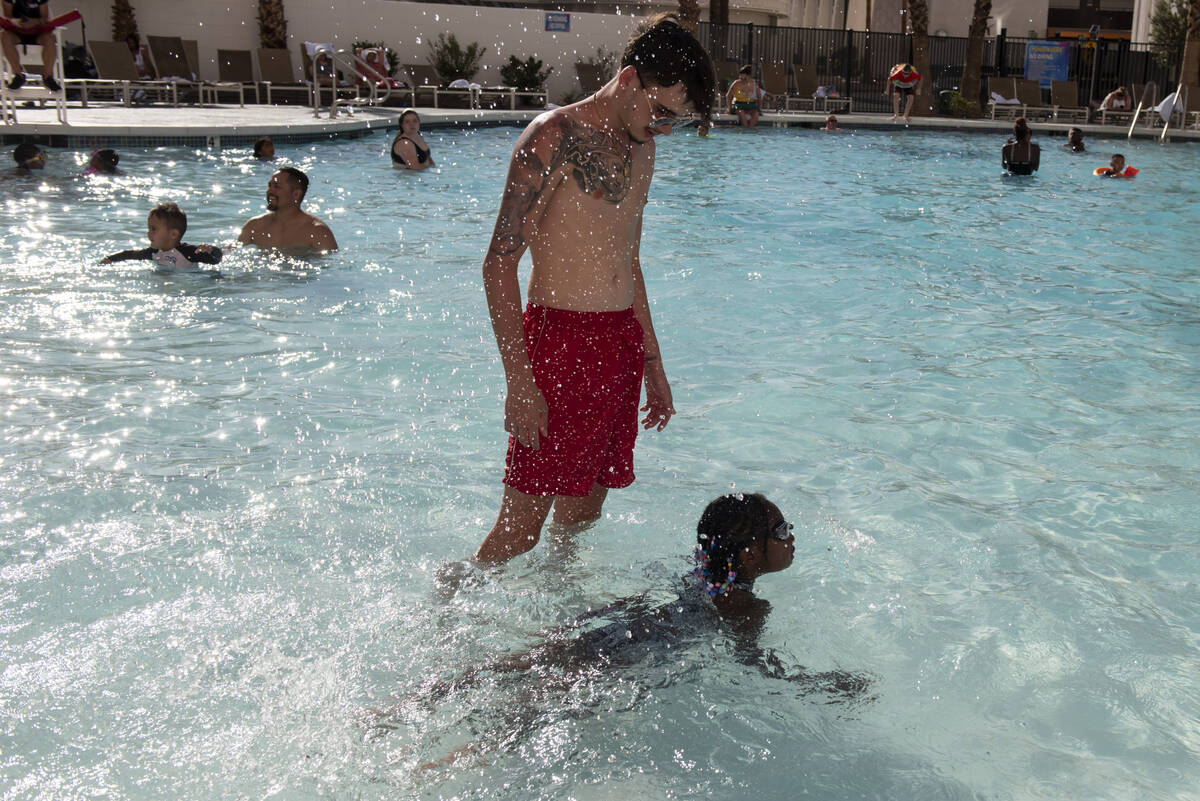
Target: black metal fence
{"type": "Point", "coordinates": [857, 63]}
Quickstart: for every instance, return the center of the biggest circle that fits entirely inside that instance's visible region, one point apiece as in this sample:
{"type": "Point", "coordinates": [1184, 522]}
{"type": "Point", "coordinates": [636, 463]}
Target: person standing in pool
{"type": "Point", "coordinates": [1019, 155]}
{"type": "Point", "coordinates": [575, 361]}
{"type": "Point", "coordinates": [410, 151]}
{"type": "Point", "coordinates": [286, 225]}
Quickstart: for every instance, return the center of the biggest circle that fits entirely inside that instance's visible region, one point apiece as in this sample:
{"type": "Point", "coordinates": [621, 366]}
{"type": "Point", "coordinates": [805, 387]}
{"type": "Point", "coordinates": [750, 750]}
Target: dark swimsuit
{"type": "Point", "coordinates": [1021, 167]}
{"type": "Point", "coordinates": [422, 155]}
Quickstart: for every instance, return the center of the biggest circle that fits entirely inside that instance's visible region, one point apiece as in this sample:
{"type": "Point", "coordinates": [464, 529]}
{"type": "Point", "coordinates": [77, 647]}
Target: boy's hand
{"type": "Point", "coordinates": [203, 248]}
{"type": "Point", "coordinates": [106, 260]}
{"type": "Point", "coordinates": [659, 407]}
{"type": "Point", "coordinates": [526, 414]}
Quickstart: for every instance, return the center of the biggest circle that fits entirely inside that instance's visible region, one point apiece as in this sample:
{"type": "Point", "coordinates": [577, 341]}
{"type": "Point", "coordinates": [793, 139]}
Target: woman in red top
{"type": "Point", "coordinates": [905, 80]}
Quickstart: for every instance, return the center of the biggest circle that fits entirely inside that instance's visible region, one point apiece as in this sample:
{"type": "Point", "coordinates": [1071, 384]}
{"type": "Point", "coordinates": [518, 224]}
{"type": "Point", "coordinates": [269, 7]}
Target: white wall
{"type": "Point", "coordinates": [405, 27]}
{"type": "Point", "coordinates": [1019, 16]}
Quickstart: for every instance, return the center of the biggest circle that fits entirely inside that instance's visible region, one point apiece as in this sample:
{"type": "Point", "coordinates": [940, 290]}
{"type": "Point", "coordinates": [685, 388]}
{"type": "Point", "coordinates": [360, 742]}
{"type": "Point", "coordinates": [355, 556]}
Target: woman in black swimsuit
{"type": "Point", "coordinates": [1020, 156]}
{"type": "Point", "coordinates": [409, 149]}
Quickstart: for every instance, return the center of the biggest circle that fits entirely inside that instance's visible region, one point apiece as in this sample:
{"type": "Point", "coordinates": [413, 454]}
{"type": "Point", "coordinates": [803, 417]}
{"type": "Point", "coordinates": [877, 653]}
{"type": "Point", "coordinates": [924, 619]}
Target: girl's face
{"type": "Point", "coordinates": [411, 124]}
{"type": "Point", "coordinates": [781, 543]}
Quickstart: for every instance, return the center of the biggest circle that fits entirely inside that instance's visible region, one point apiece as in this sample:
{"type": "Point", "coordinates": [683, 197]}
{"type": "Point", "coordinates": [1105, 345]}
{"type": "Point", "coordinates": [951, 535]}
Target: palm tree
{"type": "Point", "coordinates": [968, 87]}
{"type": "Point", "coordinates": [272, 25]}
{"type": "Point", "coordinates": [124, 24]}
{"type": "Point", "coordinates": [918, 20]}
{"type": "Point", "coordinates": [689, 15]}
{"type": "Point", "coordinates": [1190, 72]}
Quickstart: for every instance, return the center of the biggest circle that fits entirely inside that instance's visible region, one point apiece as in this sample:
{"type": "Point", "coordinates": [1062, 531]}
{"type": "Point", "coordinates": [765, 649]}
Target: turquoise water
{"type": "Point", "coordinates": [223, 502]}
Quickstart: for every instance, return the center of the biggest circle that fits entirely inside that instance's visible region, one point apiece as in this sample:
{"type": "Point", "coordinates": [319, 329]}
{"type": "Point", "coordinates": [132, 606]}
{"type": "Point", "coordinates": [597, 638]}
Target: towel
{"type": "Point", "coordinates": [999, 99]}
{"type": "Point", "coordinates": [311, 47]}
{"type": "Point", "coordinates": [1171, 103]}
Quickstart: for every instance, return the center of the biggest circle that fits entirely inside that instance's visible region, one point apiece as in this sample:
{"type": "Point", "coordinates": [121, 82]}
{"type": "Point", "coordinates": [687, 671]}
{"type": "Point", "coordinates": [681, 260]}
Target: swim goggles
{"type": "Point", "coordinates": [674, 122]}
{"type": "Point", "coordinates": [782, 531]}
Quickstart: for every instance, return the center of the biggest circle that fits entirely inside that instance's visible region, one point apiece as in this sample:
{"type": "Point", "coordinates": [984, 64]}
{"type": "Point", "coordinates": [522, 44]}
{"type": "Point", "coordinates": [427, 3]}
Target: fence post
{"type": "Point", "coordinates": [749, 43]}
{"type": "Point", "coordinates": [1002, 53]}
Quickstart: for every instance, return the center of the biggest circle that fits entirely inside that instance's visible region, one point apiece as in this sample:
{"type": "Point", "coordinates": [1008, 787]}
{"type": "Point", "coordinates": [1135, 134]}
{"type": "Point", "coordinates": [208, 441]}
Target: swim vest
{"type": "Point", "coordinates": [1128, 173]}
{"type": "Point", "coordinates": [904, 81]}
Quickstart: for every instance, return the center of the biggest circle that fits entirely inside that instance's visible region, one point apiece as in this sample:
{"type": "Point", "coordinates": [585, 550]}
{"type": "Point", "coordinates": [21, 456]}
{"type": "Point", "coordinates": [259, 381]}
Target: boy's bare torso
{"type": "Point", "coordinates": [583, 228]}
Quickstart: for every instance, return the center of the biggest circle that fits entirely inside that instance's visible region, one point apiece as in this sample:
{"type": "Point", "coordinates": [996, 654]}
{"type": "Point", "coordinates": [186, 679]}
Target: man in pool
{"type": "Point", "coordinates": [575, 362]}
{"type": "Point", "coordinates": [286, 225]}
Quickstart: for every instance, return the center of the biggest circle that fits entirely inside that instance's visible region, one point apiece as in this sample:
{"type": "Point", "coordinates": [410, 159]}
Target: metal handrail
{"type": "Point", "coordinates": [1141, 104]}
{"type": "Point", "coordinates": [1180, 97]}
{"type": "Point", "coordinates": [349, 62]}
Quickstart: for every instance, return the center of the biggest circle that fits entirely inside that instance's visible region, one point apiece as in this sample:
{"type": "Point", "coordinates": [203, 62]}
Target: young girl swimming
{"type": "Point", "coordinates": [740, 538]}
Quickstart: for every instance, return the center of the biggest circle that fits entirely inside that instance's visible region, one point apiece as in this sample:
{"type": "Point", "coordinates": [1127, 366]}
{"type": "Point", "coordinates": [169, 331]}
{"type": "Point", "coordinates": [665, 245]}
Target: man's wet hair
{"type": "Point", "coordinates": [24, 152]}
{"type": "Point", "coordinates": [298, 178]}
{"type": "Point", "coordinates": [171, 216]}
{"type": "Point", "coordinates": [664, 53]}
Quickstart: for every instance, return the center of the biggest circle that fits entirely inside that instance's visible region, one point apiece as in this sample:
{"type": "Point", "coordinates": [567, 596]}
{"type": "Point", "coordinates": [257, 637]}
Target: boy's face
{"type": "Point", "coordinates": [650, 103]}
{"type": "Point", "coordinates": [1117, 163]}
{"type": "Point", "coordinates": [37, 162]}
{"type": "Point", "coordinates": [161, 237]}
{"type": "Point", "coordinates": [266, 151]}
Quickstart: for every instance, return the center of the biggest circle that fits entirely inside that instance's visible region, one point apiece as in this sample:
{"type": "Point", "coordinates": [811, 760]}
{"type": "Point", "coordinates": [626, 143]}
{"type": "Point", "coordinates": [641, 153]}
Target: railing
{"type": "Point", "coordinates": [350, 63]}
{"type": "Point", "coordinates": [857, 62]}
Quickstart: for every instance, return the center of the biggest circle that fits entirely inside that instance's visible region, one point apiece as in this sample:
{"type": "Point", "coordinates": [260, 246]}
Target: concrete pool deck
{"type": "Point", "coordinates": [114, 125]}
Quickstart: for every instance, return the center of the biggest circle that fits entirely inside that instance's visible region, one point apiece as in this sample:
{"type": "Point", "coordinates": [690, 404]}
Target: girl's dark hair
{"type": "Point", "coordinates": [171, 216]}
{"type": "Point", "coordinates": [1021, 130]}
{"type": "Point", "coordinates": [729, 524]}
{"type": "Point", "coordinates": [664, 53]}
{"type": "Point", "coordinates": [407, 112]}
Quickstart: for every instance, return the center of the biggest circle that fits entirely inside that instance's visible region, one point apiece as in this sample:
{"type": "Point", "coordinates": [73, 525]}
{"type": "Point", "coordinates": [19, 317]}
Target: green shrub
{"type": "Point", "coordinates": [527, 74]}
{"type": "Point", "coordinates": [453, 62]}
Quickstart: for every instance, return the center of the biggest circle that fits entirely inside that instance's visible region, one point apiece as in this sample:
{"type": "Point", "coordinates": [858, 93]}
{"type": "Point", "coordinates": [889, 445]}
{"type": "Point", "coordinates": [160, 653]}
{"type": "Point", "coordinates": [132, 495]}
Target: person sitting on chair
{"type": "Point", "coordinates": [29, 15]}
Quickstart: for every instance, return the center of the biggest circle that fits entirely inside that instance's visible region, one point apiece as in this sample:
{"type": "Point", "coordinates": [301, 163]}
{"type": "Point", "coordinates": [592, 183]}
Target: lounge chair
{"type": "Point", "coordinates": [1064, 97]}
{"type": "Point", "coordinates": [371, 67]}
{"type": "Point", "coordinates": [1191, 108]}
{"type": "Point", "coordinates": [1122, 117]}
{"type": "Point", "coordinates": [275, 71]}
{"type": "Point", "coordinates": [31, 65]}
{"type": "Point", "coordinates": [805, 78]}
{"type": "Point", "coordinates": [119, 74]}
{"type": "Point", "coordinates": [1006, 88]}
{"type": "Point", "coordinates": [171, 61]}
{"type": "Point", "coordinates": [775, 84]}
{"type": "Point", "coordinates": [1145, 101]}
{"type": "Point", "coordinates": [1029, 93]}
{"type": "Point", "coordinates": [235, 67]}
{"type": "Point", "coordinates": [425, 79]}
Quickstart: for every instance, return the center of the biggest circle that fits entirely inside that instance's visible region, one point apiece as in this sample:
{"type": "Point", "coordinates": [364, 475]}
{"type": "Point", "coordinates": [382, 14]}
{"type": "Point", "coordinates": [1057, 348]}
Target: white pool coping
{"type": "Point", "coordinates": [117, 125]}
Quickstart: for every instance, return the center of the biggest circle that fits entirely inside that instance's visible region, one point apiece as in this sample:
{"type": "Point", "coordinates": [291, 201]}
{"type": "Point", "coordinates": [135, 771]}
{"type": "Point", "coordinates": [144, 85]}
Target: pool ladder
{"type": "Point", "coordinates": [349, 62]}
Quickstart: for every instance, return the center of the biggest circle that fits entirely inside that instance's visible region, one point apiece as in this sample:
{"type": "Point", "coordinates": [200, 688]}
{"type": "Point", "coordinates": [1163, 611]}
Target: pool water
{"type": "Point", "coordinates": [223, 502]}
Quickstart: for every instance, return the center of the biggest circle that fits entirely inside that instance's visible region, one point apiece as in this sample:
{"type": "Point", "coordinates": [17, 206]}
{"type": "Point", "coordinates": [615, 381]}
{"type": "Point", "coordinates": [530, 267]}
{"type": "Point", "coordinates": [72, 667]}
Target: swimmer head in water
{"type": "Point", "coordinates": [740, 537]}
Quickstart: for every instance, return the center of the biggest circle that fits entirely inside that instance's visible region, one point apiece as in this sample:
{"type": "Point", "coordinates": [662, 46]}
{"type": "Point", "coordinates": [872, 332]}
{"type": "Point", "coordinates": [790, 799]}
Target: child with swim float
{"type": "Point", "coordinates": [1117, 168]}
{"type": "Point", "coordinates": [165, 228]}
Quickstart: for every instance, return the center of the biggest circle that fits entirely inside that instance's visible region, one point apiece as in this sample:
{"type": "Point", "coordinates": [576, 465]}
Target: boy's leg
{"type": "Point", "coordinates": [9, 41]}
{"type": "Point", "coordinates": [579, 511]}
{"type": "Point", "coordinates": [49, 51]}
{"type": "Point", "coordinates": [517, 528]}
{"type": "Point", "coordinates": [908, 104]}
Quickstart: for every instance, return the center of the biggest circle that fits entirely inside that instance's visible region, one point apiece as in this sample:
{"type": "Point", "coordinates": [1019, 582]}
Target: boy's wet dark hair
{"type": "Point", "coordinates": [729, 524]}
{"type": "Point", "coordinates": [664, 53]}
{"type": "Point", "coordinates": [171, 216]}
{"type": "Point", "coordinates": [260, 144]}
{"type": "Point", "coordinates": [105, 160]}
{"type": "Point", "coordinates": [298, 178]}
{"type": "Point", "coordinates": [26, 151]}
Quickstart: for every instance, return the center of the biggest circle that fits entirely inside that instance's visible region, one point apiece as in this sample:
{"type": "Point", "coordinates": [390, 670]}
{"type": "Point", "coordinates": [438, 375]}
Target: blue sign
{"type": "Point", "coordinates": [1047, 61]}
{"type": "Point", "coordinates": [558, 21]}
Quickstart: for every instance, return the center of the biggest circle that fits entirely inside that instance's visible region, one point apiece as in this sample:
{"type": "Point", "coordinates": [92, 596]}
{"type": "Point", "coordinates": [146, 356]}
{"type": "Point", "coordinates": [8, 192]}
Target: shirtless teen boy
{"type": "Point", "coordinates": [575, 361]}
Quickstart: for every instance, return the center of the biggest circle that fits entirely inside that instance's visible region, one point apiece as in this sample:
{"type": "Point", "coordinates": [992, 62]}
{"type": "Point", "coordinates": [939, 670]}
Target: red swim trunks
{"type": "Point", "coordinates": [588, 366]}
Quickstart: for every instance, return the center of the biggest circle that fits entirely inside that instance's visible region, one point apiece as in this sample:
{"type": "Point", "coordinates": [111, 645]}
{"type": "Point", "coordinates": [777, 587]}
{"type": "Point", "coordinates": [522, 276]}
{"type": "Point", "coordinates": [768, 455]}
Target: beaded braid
{"type": "Point", "coordinates": [727, 525]}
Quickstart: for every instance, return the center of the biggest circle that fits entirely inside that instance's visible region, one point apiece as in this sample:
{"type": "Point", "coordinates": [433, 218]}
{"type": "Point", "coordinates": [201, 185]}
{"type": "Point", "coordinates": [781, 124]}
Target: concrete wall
{"type": "Point", "coordinates": [405, 27]}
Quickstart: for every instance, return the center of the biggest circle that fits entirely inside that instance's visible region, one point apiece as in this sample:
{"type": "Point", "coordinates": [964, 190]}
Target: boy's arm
{"type": "Point", "coordinates": [659, 406]}
{"type": "Point", "coordinates": [201, 254]}
{"type": "Point", "coordinates": [129, 255]}
{"type": "Point", "coordinates": [526, 415]}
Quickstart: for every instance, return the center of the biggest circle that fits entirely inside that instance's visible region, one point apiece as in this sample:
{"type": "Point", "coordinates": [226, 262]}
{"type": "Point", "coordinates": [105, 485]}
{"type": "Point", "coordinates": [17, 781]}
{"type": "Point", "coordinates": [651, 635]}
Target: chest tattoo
{"type": "Point", "coordinates": [601, 164]}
